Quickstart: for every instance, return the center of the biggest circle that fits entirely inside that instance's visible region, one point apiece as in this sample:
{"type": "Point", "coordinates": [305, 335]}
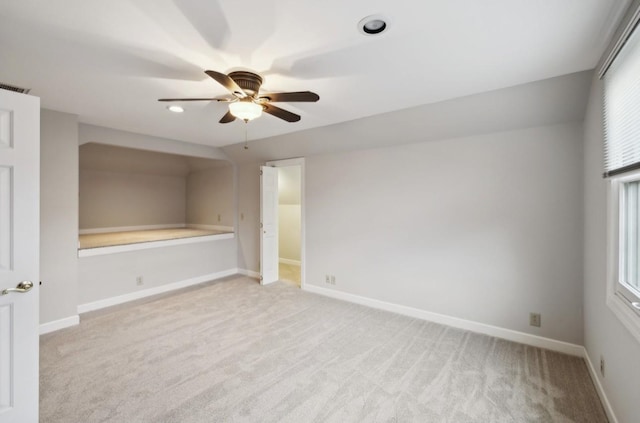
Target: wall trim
{"type": "Point", "coordinates": [290, 261]}
{"type": "Point", "coordinates": [599, 388]}
{"type": "Point", "coordinates": [130, 228]}
{"type": "Point", "coordinates": [210, 227]}
{"type": "Point", "coordinates": [250, 273]}
{"type": "Point", "coordinates": [498, 332]}
{"type": "Point", "coordinates": [56, 325]}
{"type": "Point", "coordinates": [99, 251]}
{"type": "Point", "coordinates": [108, 302]}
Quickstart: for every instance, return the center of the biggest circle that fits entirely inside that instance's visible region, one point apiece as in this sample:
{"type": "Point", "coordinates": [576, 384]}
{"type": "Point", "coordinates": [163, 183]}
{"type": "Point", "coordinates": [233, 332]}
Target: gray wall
{"type": "Point", "coordinates": [248, 229]}
{"type": "Point", "coordinates": [107, 276]}
{"type": "Point", "coordinates": [486, 228]}
{"type": "Point", "coordinates": [114, 199]}
{"type": "Point", "coordinates": [210, 193]}
{"type": "Point", "coordinates": [58, 215]}
{"type": "Point", "coordinates": [604, 334]}
{"type": "Point", "coordinates": [68, 281]}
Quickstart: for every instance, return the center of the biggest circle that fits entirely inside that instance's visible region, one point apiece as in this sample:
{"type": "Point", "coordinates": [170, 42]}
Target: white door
{"type": "Point", "coordinates": [268, 224]}
{"type": "Point", "coordinates": [19, 256]}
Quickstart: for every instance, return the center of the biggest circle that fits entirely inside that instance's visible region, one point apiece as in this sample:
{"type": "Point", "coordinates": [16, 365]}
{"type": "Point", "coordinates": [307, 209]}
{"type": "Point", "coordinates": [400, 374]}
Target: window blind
{"type": "Point", "coordinates": [622, 109]}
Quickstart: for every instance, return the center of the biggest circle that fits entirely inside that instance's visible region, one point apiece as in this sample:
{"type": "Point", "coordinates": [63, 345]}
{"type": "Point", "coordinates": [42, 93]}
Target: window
{"type": "Point", "coordinates": [620, 73]}
{"type": "Point", "coordinates": [628, 272]}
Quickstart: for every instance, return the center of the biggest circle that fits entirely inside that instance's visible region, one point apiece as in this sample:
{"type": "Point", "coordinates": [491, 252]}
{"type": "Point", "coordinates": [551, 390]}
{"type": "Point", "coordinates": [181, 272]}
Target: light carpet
{"type": "Point", "coordinates": [234, 351]}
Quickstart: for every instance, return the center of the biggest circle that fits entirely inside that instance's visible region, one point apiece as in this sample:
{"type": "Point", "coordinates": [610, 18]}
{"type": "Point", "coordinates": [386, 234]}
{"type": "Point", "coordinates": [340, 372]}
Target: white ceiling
{"type": "Point", "coordinates": [109, 61]}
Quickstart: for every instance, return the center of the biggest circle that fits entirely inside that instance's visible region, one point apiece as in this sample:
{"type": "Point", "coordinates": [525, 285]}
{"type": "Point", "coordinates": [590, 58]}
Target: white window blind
{"type": "Point", "coordinates": [622, 109]}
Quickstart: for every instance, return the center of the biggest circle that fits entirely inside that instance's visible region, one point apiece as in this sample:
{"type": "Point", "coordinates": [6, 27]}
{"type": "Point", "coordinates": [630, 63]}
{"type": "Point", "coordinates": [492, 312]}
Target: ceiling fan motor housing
{"type": "Point", "coordinates": [248, 81]}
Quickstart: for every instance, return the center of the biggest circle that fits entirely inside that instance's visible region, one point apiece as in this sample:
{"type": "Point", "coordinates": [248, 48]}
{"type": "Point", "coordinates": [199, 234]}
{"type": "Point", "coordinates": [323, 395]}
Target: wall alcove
{"type": "Point", "coordinates": [133, 199]}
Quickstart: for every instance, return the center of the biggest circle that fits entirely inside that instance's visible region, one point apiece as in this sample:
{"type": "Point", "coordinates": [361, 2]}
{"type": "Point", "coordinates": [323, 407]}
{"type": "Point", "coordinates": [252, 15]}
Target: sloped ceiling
{"type": "Point", "coordinates": [548, 102]}
{"type": "Point", "coordinates": [109, 61]}
{"type": "Point", "coordinates": [100, 157]}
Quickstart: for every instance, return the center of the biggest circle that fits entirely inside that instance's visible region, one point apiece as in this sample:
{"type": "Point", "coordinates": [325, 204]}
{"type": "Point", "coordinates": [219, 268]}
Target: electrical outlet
{"type": "Point", "coordinates": [602, 366]}
{"type": "Point", "coordinates": [139, 280]}
{"type": "Point", "coordinates": [333, 280]}
{"type": "Point", "coordinates": [535, 319]}
{"type": "Point", "coordinates": [327, 279]}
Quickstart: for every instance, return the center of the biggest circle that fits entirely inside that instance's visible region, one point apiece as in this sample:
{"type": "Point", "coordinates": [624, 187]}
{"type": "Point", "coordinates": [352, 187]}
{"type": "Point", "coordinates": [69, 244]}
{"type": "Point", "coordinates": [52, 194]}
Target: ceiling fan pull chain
{"type": "Point", "coordinates": [246, 146]}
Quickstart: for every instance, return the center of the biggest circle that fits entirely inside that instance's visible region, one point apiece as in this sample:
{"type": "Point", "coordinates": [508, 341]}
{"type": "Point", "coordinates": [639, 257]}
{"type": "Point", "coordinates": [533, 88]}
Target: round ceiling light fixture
{"type": "Point", "coordinates": [372, 25]}
{"type": "Point", "coordinates": [175, 108]}
{"type": "Point", "coordinates": [245, 110]}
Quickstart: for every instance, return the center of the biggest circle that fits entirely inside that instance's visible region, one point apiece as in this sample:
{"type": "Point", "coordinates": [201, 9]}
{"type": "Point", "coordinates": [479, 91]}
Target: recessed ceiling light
{"type": "Point", "coordinates": [372, 25]}
{"type": "Point", "coordinates": [175, 108]}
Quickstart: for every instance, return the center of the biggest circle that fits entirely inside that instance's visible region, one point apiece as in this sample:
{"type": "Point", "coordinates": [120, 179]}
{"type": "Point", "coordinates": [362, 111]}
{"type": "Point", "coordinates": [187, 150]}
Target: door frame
{"type": "Point", "coordinates": [298, 161]}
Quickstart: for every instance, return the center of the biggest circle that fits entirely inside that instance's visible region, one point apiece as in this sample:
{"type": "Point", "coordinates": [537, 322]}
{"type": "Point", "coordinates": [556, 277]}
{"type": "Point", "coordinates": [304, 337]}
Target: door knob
{"type": "Point", "coordinates": [23, 286]}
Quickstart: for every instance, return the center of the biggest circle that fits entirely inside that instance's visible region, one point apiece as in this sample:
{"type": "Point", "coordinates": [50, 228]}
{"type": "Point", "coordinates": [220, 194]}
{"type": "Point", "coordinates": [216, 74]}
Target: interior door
{"type": "Point", "coordinates": [19, 256]}
{"type": "Point", "coordinates": [268, 224]}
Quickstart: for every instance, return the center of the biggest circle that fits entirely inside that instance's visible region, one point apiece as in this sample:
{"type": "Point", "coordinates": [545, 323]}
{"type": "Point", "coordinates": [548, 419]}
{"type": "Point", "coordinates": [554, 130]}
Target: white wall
{"type": "Point", "coordinates": [604, 334]}
{"type": "Point", "coordinates": [115, 199]}
{"type": "Point", "coordinates": [210, 194]}
{"type": "Point", "coordinates": [58, 215]}
{"type": "Point", "coordinates": [289, 212]}
{"type": "Point", "coordinates": [289, 232]}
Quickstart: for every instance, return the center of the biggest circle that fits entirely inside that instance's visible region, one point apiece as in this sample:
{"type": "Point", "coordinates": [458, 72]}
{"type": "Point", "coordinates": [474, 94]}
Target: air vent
{"type": "Point", "coordinates": [14, 88]}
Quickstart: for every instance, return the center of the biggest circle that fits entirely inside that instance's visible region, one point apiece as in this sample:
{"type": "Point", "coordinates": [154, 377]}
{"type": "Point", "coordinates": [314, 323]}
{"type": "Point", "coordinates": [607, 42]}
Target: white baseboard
{"type": "Point", "coordinates": [130, 228]}
{"type": "Point", "coordinates": [508, 334]}
{"type": "Point", "coordinates": [289, 261]}
{"type": "Point", "coordinates": [108, 302]}
{"type": "Point", "coordinates": [599, 388]}
{"type": "Point", "coordinates": [250, 273]}
{"type": "Point", "coordinates": [55, 325]}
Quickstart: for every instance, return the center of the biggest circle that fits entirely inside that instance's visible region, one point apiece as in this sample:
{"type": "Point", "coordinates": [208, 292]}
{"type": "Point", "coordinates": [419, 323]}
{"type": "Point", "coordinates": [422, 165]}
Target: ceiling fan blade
{"type": "Point", "coordinates": [280, 113]}
{"type": "Point", "coordinates": [227, 82]}
{"type": "Point", "coordinates": [298, 96]}
{"type": "Point", "coordinates": [196, 99]}
{"type": "Point", "coordinates": [228, 117]}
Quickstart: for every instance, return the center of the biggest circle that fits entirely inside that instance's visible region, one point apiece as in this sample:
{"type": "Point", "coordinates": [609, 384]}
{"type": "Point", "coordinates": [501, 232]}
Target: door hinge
{"type": "Point", "coordinates": [260, 278]}
{"type": "Point", "coordinates": [260, 172]}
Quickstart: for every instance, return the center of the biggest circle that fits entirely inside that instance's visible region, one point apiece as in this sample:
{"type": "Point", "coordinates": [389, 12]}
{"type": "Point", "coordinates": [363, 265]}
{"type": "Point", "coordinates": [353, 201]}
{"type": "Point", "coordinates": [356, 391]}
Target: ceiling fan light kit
{"type": "Point", "coordinates": [247, 102]}
{"type": "Point", "coordinates": [175, 108]}
{"type": "Point", "coordinates": [245, 110]}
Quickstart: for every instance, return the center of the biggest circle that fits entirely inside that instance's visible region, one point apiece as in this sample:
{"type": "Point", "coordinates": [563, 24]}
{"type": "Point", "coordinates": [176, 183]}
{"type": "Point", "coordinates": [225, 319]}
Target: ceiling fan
{"type": "Point", "coordinates": [247, 102]}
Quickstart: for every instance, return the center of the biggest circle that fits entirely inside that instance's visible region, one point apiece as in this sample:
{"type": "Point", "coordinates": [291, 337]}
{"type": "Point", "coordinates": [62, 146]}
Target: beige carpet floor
{"type": "Point", "coordinates": [289, 273]}
{"type": "Point", "coordinates": [233, 351]}
{"type": "Point", "coordinates": [134, 237]}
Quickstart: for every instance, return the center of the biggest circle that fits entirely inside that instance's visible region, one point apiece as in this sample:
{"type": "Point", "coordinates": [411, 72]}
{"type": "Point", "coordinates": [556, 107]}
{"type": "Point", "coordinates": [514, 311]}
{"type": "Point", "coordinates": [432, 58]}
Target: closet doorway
{"type": "Point", "coordinates": [290, 221]}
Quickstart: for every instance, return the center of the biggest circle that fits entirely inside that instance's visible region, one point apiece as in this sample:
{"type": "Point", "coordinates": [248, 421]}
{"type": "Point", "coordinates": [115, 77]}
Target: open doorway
{"type": "Point", "coordinates": [290, 221]}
